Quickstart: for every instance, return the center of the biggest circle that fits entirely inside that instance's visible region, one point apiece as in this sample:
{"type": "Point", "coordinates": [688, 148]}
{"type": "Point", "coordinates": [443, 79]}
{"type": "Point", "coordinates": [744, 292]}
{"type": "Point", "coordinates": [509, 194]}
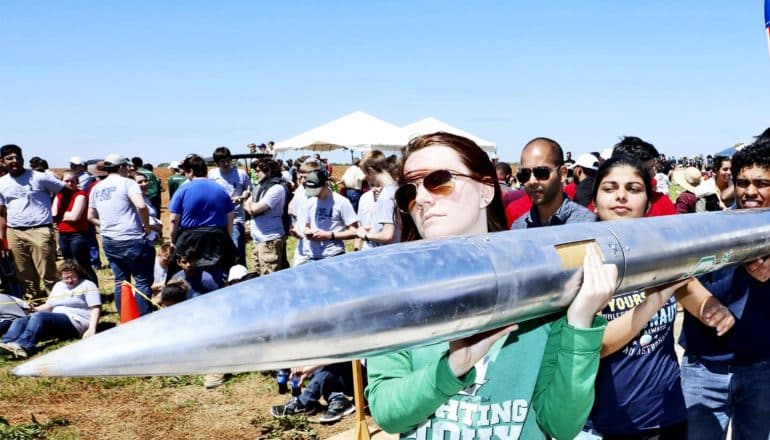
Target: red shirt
{"type": "Point", "coordinates": [68, 227]}
{"type": "Point", "coordinates": [517, 208]}
{"type": "Point", "coordinates": [571, 189]}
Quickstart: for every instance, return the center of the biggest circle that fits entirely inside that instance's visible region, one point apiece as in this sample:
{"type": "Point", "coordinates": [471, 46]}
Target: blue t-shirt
{"type": "Point", "coordinates": [749, 301]}
{"type": "Point", "coordinates": [201, 202]}
{"type": "Point", "coordinates": [200, 282]}
{"type": "Point", "coordinates": [638, 387]}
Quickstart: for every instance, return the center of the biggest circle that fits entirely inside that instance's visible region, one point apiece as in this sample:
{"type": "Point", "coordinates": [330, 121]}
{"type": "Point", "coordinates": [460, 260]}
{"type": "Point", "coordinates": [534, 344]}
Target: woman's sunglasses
{"type": "Point", "coordinates": [541, 173]}
{"type": "Point", "coordinates": [439, 182]}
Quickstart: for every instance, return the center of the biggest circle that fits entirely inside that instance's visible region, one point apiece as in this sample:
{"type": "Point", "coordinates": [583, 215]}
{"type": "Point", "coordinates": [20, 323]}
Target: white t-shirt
{"type": "Point", "coordinates": [353, 177]}
{"type": "Point", "coordinates": [118, 216]}
{"type": "Point", "coordinates": [76, 303]}
{"type": "Point", "coordinates": [159, 273]}
{"type": "Point", "coordinates": [367, 215]}
{"type": "Point", "coordinates": [235, 181]}
{"type": "Point", "coordinates": [27, 198]}
{"type": "Point", "coordinates": [333, 213]}
{"type": "Point", "coordinates": [387, 212]}
{"type": "Point", "coordinates": [269, 224]}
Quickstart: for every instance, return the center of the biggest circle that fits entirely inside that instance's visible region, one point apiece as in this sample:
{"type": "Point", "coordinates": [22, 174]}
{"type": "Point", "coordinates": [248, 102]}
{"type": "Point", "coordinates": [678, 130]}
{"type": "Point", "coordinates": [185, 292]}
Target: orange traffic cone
{"type": "Point", "coordinates": [128, 308]}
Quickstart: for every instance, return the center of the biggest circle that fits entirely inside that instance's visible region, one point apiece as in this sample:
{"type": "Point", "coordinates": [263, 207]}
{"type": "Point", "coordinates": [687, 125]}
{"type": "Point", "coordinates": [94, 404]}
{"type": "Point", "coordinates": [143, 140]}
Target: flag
{"type": "Point", "coordinates": [767, 22]}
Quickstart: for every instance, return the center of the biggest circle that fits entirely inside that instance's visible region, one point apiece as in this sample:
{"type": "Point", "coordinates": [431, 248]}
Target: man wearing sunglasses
{"type": "Point", "coordinates": [325, 218]}
{"type": "Point", "coordinates": [542, 172]}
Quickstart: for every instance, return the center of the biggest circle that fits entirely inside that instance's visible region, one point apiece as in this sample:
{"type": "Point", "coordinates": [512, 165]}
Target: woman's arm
{"type": "Point", "coordinates": [383, 236]}
{"type": "Point", "coordinates": [77, 211]}
{"type": "Point", "coordinates": [401, 398]}
{"type": "Point", "coordinates": [564, 392]}
{"type": "Point", "coordinates": [55, 206]}
{"type": "Point", "coordinates": [700, 303]}
{"type": "Point", "coordinates": [93, 319]}
{"type": "Point", "coordinates": [43, 308]}
{"type": "Point", "coordinates": [622, 330]}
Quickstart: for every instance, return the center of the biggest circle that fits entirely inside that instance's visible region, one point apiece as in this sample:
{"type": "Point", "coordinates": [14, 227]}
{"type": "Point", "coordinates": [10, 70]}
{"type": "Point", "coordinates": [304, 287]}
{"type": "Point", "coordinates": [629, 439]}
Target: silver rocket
{"type": "Point", "coordinates": [403, 296]}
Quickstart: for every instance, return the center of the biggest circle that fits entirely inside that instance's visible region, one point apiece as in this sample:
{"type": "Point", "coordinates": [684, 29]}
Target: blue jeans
{"type": "Point", "coordinates": [40, 326]}
{"type": "Point", "coordinates": [239, 238]}
{"type": "Point", "coordinates": [715, 393]}
{"type": "Point", "coordinates": [76, 246]}
{"type": "Point", "coordinates": [132, 258]}
{"type": "Point", "coordinates": [96, 260]}
{"type": "Point", "coordinates": [328, 382]}
{"type": "Point", "coordinates": [354, 195]}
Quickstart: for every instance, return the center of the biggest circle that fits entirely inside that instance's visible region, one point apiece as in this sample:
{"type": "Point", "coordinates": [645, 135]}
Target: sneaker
{"type": "Point", "coordinates": [293, 408]}
{"type": "Point", "coordinates": [338, 408]}
{"type": "Point", "coordinates": [15, 349]}
{"type": "Point", "coordinates": [214, 380]}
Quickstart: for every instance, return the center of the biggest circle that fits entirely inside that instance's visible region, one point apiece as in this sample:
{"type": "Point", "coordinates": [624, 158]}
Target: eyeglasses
{"type": "Point", "coordinates": [439, 182]}
{"type": "Point", "coordinates": [541, 173]}
{"type": "Point", "coordinates": [758, 183]}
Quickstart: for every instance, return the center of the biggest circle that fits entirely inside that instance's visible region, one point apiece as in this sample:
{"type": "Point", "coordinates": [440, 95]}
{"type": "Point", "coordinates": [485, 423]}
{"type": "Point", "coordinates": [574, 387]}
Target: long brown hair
{"type": "Point", "coordinates": [481, 169]}
{"type": "Point", "coordinates": [379, 162]}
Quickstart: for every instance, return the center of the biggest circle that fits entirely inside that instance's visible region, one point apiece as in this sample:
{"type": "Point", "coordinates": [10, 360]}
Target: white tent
{"type": "Point", "coordinates": [432, 125]}
{"type": "Point", "coordinates": [356, 131]}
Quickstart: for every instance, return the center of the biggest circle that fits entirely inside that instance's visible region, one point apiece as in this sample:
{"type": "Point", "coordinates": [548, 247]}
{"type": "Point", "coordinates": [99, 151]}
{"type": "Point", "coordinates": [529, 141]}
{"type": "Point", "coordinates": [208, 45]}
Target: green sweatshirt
{"type": "Point", "coordinates": [540, 379]}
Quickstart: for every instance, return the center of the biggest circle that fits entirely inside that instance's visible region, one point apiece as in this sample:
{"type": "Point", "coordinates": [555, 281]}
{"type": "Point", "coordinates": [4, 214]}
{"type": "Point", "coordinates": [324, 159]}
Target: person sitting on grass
{"type": "Point", "coordinates": [332, 382]}
{"type": "Point", "coordinates": [174, 292]}
{"type": "Point", "coordinates": [72, 310]}
{"type": "Point", "coordinates": [162, 260]}
{"type": "Point", "coordinates": [199, 280]}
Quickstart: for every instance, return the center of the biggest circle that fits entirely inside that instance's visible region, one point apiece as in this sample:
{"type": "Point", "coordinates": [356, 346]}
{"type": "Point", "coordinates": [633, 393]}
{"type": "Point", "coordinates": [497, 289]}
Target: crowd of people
{"type": "Point", "coordinates": [605, 368]}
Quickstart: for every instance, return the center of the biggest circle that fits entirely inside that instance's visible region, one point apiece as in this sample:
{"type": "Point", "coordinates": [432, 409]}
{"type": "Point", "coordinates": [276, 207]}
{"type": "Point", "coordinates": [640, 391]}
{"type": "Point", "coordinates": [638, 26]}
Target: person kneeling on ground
{"type": "Point", "coordinates": [199, 280]}
{"type": "Point", "coordinates": [332, 382]}
{"type": "Point", "coordinates": [72, 310]}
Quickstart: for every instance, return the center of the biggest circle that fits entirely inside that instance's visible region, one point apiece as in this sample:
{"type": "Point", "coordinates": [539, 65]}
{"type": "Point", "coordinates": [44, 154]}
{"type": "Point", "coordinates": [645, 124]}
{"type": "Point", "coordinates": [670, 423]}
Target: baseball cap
{"type": "Point", "coordinates": [174, 165]}
{"type": "Point", "coordinates": [315, 182]}
{"type": "Point", "coordinates": [115, 159]}
{"type": "Point", "coordinates": [236, 273]}
{"type": "Point", "coordinates": [77, 160]}
{"type": "Point", "coordinates": [586, 161]}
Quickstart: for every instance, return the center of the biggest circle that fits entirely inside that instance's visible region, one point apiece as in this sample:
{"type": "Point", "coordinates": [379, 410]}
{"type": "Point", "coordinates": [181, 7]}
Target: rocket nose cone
{"type": "Point", "coordinates": [32, 368]}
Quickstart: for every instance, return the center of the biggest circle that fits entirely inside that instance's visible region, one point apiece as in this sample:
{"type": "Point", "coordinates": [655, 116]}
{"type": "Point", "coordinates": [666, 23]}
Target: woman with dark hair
{"type": "Point", "coordinates": [723, 178]}
{"type": "Point", "coordinates": [73, 226]}
{"type": "Point", "coordinates": [638, 388]}
{"type": "Point", "coordinates": [72, 310]}
{"type": "Point", "coordinates": [518, 381]}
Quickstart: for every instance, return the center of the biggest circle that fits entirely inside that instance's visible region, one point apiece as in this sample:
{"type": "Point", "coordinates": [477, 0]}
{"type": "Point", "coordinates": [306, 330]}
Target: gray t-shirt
{"type": "Point", "coordinates": [27, 198]}
{"type": "Point", "coordinates": [333, 213]}
{"type": "Point", "coordinates": [269, 224]}
{"type": "Point", "coordinates": [387, 212]}
{"type": "Point", "coordinates": [367, 216]}
{"type": "Point", "coordinates": [118, 216]}
{"type": "Point", "coordinates": [75, 302]}
{"type": "Point", "coordinates": [235, 182]}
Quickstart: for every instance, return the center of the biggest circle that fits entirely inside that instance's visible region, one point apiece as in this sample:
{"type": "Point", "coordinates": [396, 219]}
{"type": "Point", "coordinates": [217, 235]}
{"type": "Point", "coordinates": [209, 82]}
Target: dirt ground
{"type": "Point", "coordinates": [150, 408]}
{"type": "Point", "coordinates": [154, 408]}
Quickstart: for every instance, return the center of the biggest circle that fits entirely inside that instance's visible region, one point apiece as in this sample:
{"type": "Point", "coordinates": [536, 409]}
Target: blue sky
{"type": "Point", "coordinates": [162, 79]}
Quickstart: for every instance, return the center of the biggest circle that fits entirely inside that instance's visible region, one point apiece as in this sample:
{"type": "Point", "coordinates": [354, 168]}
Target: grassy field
{"type": "Point", "coordinates": [146, 408]}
